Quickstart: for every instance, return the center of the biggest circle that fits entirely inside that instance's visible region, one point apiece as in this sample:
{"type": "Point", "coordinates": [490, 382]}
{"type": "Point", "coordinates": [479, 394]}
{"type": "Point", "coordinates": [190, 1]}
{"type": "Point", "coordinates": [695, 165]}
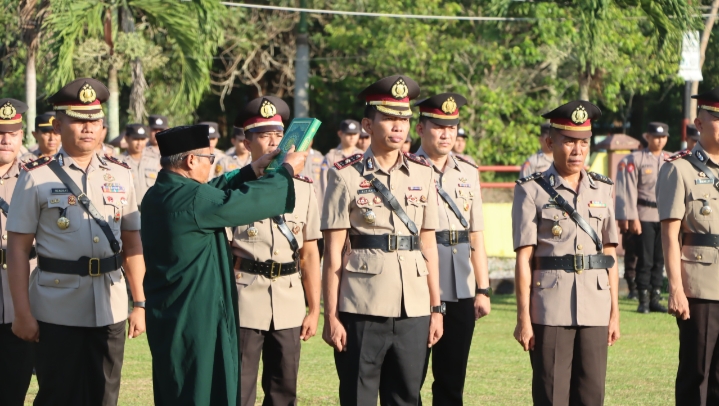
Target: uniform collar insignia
{"type": "Point", "coordinates": [591, 182]}
{"type": "Point", "coordinates": [60, 159]}
{"type": "Point", "coordinates": [369, 164]}
{"type": "Point", "coordinates": [552, 181]}
{"type": "Point", "coordinates": [700, 156]}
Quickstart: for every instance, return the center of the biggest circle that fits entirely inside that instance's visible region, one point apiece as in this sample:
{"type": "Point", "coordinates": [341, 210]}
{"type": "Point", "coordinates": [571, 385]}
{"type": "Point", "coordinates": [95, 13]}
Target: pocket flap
{"type": "Point", "coordinates": [416, 199]}
{"type": "Point", "coordinates": [58, 280]}
{"type": "Point", "coordinates": [702, 192]}
{"type": "Point", "coordinates": [703, 255]}
{"type": "Point", "coordinates": [598, 212]}
{"type": "Point", "coordinates": [546, 280]}
{"type": "Point", "coordinates": [554, 214]}
{"type": "Point", "coordinates": [244, 278]}
{"type": "Point", "coordinates": [602, 281]}
{"type": "Point", "coordinates": [364, 262]}
{"type": "Point", "coordinates": [422, 266]}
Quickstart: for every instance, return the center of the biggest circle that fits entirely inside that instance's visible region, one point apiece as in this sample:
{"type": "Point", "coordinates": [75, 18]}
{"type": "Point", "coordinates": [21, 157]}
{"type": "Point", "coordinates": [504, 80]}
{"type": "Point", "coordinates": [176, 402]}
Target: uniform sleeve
{"type": "Point", "coordinates": [526, 169]}
{"type": "Point", "coordinates": [270, 196]}
{"type": "Point", "coordinates": [430, 221]}
{"type": "Point", "coordinates": [626, 187]}
{"type": "Point", "coordinates": [524, 219]}
{"type": "Point", "coordinates": [670, 193]}
{"type": "Point", "coordinates": [324, 169]}
{"type": "Point", "coordinates": [130, 213]}
{"type": "Point", "coordinates": [476, 222]}
{"type": "Point", "coordinates": [312, 227]}
{"type": "Point", "coordinates": [609, 227]}
{"type": "Point", "coordinates": [336, 205]}
{"type": "Point", "coordinates": [25, 206]}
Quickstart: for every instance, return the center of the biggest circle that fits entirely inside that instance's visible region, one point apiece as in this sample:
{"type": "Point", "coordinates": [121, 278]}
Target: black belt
{"type": "Point", "coordinates": [84, 266]}
{"type": "Point", "coordinates": [386, 242]}
{"type": "Point", "coordinates": [452, 237]}
{"type": "Point", "coordinates": [267, 269]}
{"type": "Point", "coordinates": [3, 255]}
{"type": "Point", "coordinates": [574, 262]}
{"type": "Point", "coordinates": [647, 203]}
{"type": "Point", "coordinates": [701, 240]}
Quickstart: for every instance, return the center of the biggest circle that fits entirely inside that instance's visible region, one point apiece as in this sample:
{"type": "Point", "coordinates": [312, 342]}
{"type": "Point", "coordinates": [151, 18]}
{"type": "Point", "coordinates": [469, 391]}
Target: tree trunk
{"type": "Point", "coordinates": [30, 95]}
{"type": "Point", "coordinates": [137, 92]}
{"type": "Point", "coordinates": [708, 25]}
{"type": "Point", "coordinates": [585, 79]}
{"type": "Point", "coordinates": [113, 105]}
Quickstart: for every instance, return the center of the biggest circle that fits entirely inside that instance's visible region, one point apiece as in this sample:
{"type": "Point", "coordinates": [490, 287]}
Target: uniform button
{"type": "Point", "coordinates": [399, 233]}
{"type": "Point", "coordinates": [392, 187]}
{"type": "Point", "coordinates": [452, 227]}
{"type": "Point", "coordinates": [454, 250]}
{"type": "Point", "coordinates": [579, 247]}
{"type": "Point", "coordinates": [539, 284]}
{"type": "Point", "coordinates": [706, 196]}
{"type": "Point", "coordinates": [579, 199]}
{"type": "Point", "coordinates": [363, 267]}
{"type": "Point", "coordinates": [4, 237]}
{"type": "Point", "coordinates": [238, 276]}
{"type": "Point", "coordinates": [2, 182]}
{"type": "Point", "coordinates": [276, 252]}
{"type": "Point", "coordinates": [446, 205]}
{"type": "Point", "coordinates": [401, 258]}
{"type": "Point", "coordinates": [699, 257]}
{"type": "Point", "coordinates": [4, 266]}
{"type": "Point", "coordinates": [296, 217]}
{"type": "Point", "coordinates": [96, 239]}
{"type": "Point", "coordinates": [556, 217]}
{"type": "Point", "coordinates": [57, 281]}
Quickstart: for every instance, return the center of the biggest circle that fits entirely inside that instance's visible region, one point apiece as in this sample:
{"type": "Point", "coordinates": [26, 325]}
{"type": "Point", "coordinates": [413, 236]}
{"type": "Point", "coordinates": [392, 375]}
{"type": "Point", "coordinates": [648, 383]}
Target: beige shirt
{"type": "Point", "coordinates": [30, 156]}
{"type": "Point", "coordinates": [262, 300]}
{"type": "Point", "coordinates": [39, 198]}
{"type": "Point", "coordinates": [559, 297]}
{"type": "Point", "coordinates": [144, 173]}
{"type": "Point", "coordinates": [466, 158]}
{"type": "Point", "coordinates": [313, 170]}
{"type": "Point", "coordinates": [682, 191]}
{"type": "Point", "coordinates": [461, 182]}
{"type": "Point", "coordinates": [219, 156]}
{"type": "Point", "coordinates": [331, 158]}
{"type": "Point", "coordinates": [375, 282]}
{"type": "Point", "coordinates": [538, 162]}
{"type": "Point", "coordinates": [152, 150]}
{"type": "Point", "coordinates": [637, 179]}
{"type": "Point", "coordinates": [231, 162]}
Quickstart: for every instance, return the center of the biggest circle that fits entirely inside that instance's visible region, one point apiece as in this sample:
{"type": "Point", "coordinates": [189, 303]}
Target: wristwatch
{"type": "Point", "coordinates": [138, 304]}
{"type": "Point", "coordinates": [486, 291]}
{"type": "Point", "coordinates": [442, 309]}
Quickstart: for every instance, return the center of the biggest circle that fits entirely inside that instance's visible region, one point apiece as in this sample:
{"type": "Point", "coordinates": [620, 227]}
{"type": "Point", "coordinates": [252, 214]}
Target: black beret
{"type": "Point", "coordinates": [658, 129]}
{"type": "Point", "coordinates": [157, 122]}
{"type": "Point", "coordinates": [182, 139]}
{"type": "Point", "coordinates": [214, 128]}
{"type": "Point", "coordinates": [136, 131]}
{"type": "Point", "coordinates": [442, 109]}
{"type": "Point", "coordinates": [43, 122]}
{"type": "Point", "coordinates": [350, 127]}
{"type": "Point", "coordinates": [692, 132]}
{"type": "Point", "coordinates": [263, 114]}
{"type": "Point", "coordinates": [574, 119]}
{"type": "Point", "coordinates": [391, 95]}
{"type": "Point", "coordinates": [82, 99]}
{"type": "Point", "coordinates": [11, 111]}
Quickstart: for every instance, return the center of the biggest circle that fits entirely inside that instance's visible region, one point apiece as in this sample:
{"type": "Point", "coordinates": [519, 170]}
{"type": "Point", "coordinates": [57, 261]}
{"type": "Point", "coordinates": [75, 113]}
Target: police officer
{"type": "Point", "coordinates": [314, 167]}
{"type": "Point", "coordinates": [542, 159]}
{"type": "Point", "coordinates": [407, 145]}
{"type": "Point", "coordinates": [48, 141]}
{"type": "Point", "coordinates": [566, 277]}
{"type": "Point", "coordinates": [214, 138]}
{"type": "Point", "coordinates": [238, 158]}
{"type": "Point", "coordinates": [348, 135]}
{"type": "Point", "coordinates": [274, 259]}
{"type": "Point", "coordinates": [144, 166]}
{"type": "Point", "coordinates": [81, 209]}
{"type": "Point", "coordinates": [692, 136]}
{"type": "Point", "coordinates": [364, 140]}
{"type": "Point", "coordinates": [463, 275]}
{"type": "Point", "coordinates": [382, 303]}
{"type": "Point", "coordinates": [460, 144]}
{"type": "Point", "coordinates": [689, 214]}
{"type": "Point", "coordinates": [102, 147]}
{"type": "Point", "coordinates": [156, 123]}
{"type": "Point", "coordinates": [15, 354]}
{"type": "Point", "coordinates": [636, 211]}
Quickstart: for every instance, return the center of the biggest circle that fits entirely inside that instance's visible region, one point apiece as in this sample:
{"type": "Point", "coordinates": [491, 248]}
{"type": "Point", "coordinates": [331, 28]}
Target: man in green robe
{"type": "Point", "coordinates": [191, 297]}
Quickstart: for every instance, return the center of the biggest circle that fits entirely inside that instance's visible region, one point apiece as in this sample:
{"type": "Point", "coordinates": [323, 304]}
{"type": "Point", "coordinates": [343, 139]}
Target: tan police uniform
{"type": "Point", "coordinates": [230, 162]}
{"type": "Point", "coordinates": [313, 170]}
{"type": "Point", "coordinates": [537, 162]}
{"type": "Point", "coordinates": [155, 122]}
{"type": "Point", "coordinates": [152, 150]}
{"type": "Point", "coordinates": [335, 155]}
{"type": "Point", "coordinates": [636, 200]}
{"type": "Point", "coordinates": [144, 172]}
{"type": "Point", "coordinates": [570, 302]}
{"type": "Point", "coordinates": [31, 156]}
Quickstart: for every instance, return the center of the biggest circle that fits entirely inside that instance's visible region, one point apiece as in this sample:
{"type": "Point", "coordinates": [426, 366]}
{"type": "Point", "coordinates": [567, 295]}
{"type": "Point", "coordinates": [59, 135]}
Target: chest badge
{"type": "Point", "coordinates": [296, 229]}
{"type": "Point", "coordinates": [365, 184]}
{"type": "Point", "coordinates": [417, 188]}
{"type": "Point", "coordinates": [369, 216]}
{"type": "Point", "coordinates": [362, 201]}
{"type": "Point", "coordinates": [705, 210]}
{"type": "Point", "coordinates": [423, 199]}
{"type": "Point", "coordinates": [702, 175]}
{"type": "Point", "coordinates": [377, 200]}
{"type": "Point", "coordinates": [71, 200]}
{"type": "Point", "coordinates": [466, 206]}
{"type": "Point", "coordinates": [117, 217]}
{"type": "Point", "coordinates": [463, 180]}
{"type": "Point", "coordinates": [63, 222]}
{"type": "Point", "coordinates": [252, 231]}
{"type": "Point", "coordinates": [108, 177]}
{"type": "Point", "coordinates": [557, 229]}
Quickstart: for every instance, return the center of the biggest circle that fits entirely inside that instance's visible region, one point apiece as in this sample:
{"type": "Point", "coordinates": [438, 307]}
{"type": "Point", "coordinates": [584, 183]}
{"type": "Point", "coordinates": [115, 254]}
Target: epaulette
{"type": "Point", "coordinates": [680, 154]}
{"type": "Point", "coordinates": [529, 178]}
{"type": "Point", "coordinates": [348, 161]}
{"type": "Point", "coordinates": [465, 160]}
{"type": "Point", "coordinates": [304, 179]}
{"type": "Point", "coordinates": [600, 177]}
{"type": "Point", "coordinates": [416, 159]}
{"type": "Point", "coordinates": [117, 161]}
{"type": "Point", "coordinates": [37, 163]}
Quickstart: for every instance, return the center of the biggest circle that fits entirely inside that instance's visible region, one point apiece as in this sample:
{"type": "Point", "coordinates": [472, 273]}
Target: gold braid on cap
{"type": "Point", "coordinates": [570, 128]}
{"type": "Point", "coordinates": [85, 116]}
{"type": "Point", "coordinates": [442, 116]}
{"type": "Point", "coordinates": [385, 110]}
{"type": "Point", "coordinates": [710, 108]}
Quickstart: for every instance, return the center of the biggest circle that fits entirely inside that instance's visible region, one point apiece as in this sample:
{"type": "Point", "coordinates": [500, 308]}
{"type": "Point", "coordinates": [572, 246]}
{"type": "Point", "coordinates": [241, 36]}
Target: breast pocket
{"type": "Point", "coordinates": [297, 226]}
{"type": "Point", "coordinates": [112, 208]}
{"type": "Point", "coordinates": [58, 280]}
{"type": "Point", "coordinates": [703, 208]}
{"type": "Point", "coordinates": [463, 199]}
{"type": "Point", "coordinates": [597, 216]}
{"type": "Point", "coordinates": [416, 204]}
{"type": "Point", "coordinates": [66, 212]}
{"type": "Point", "coordinates": [554, 225]}
{"type": "Point", "coordinates": [364, 263]}
{"type": "Point", "coordinates": [150, 177]}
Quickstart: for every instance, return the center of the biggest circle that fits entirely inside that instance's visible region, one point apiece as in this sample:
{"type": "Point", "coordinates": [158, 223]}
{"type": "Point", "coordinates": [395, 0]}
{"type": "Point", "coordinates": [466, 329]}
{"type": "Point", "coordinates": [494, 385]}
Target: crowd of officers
{"type": "Point", "coordinates": [404, 276]}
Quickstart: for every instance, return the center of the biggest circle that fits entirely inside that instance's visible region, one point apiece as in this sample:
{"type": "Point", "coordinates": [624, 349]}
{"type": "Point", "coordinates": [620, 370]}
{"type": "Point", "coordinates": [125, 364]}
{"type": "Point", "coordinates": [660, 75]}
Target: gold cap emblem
{"type": "Point", "coordinates": [87, 94]}
{"type": "Point", "coordinates": [449, 106]}
{"type": "Point", "coordinates": [268, 109]}
{"type": "Point", "coordinates": [579, 116]}
{"type": "Point", "coordinates": [7, 111]}
{"type": "Point", "coordinates": [399, 89]}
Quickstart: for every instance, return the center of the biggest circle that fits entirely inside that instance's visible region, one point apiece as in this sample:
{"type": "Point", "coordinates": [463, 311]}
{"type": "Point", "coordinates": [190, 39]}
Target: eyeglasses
{"type": "Point", "coordinates": [211, 157]}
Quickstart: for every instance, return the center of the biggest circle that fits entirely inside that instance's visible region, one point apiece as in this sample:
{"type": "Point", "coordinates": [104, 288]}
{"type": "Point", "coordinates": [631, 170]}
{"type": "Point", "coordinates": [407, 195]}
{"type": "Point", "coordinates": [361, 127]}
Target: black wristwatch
{"type": "Point", "coordinates": [138, 304]}
{"type": "Point", "coordinates": [486, 291]}
{"type": "Point", "coordinates": [442, 309]}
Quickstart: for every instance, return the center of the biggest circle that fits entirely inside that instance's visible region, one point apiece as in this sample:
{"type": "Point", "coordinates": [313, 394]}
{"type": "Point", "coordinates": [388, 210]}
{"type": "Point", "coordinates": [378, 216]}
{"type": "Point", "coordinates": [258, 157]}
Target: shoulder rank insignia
{"type": "Point", "coordinates": [348, 161]}
{"type": "Point", "coordinates": [680, 154]}
{"type": "Point", "coordinates": [37, 163]}
{"type": "Point", "coordinates": [303, 178]}
{"type": "Point", "coordinates": [416, 159]}
{"type": "Point", "coordinates": [117, 161]}
{"type": "Point", "coordinates": [465, 160]}
{"type": "Point", "coordinates": [600, 177]}
{"type": "Point", "coordinates": [529, 178]}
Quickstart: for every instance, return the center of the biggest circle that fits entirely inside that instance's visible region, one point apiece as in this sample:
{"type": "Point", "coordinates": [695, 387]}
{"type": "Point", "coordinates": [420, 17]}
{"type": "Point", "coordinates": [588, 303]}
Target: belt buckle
{"type": "Point", "coordinates": [453, 237]}
{"type": "Point", "coordinates": [96, 260]}
{"type": "Point", "coordinates": [389, 242]}
{"type": "Point", "coordinates": [579, 267]}
{"type": "Point", "coordinates": [274, 276]}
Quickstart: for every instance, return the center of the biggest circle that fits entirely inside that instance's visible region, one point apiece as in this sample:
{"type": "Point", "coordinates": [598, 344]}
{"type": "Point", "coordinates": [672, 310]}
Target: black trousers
{"type": "Point", "coordinates": [280, 350]}
{"type": "Point", "coordinates": [629, 242]}
{"type": "Point", "coordinates": [451, 353]}
{"type": "Point", "coordinates": [384, 355]}
{"type": "Point", "coordinates": [79, 366]}
{"type": "Point", "coordinates": [650, 262]}
{"type": "Point", "coordinates": [16, 362]}
{"type": "Point", "coordinates": [698, 373]}
{"type": "Point", "coordinates": [569, 365]}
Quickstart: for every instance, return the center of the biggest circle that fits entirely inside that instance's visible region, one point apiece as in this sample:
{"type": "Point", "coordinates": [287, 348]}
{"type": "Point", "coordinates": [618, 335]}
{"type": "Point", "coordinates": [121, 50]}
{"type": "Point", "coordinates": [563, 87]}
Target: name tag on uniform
{"type": "Point", "coordinates": [550, 206]}
{"type": "Point", "coordinates": [66, 191]}
{"type": "Point", "coordinates": [363, 191]}
{"type": "Point", "coordinates": [703, 181]}
{"type": "Point", "coordinates": [415, 188]}
{"type": "Point", "coordinates": [464, 185]}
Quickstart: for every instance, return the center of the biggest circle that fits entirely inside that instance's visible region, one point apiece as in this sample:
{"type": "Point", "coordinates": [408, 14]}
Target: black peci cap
{"type": "Point", "coordinates": [182, 139]}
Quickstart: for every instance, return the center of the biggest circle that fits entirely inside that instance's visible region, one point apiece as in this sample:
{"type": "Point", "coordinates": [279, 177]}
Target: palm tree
{"type": "Point", "coordinates": [31, 16]}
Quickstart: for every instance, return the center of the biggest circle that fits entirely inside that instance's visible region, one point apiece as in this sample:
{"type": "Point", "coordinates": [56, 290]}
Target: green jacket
{"type": "Point", "coordinates": [192, 315]}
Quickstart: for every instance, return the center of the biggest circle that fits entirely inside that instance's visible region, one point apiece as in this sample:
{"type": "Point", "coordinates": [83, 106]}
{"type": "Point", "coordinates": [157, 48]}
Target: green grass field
{"type": "Point", "coordinates": [641, 371]}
